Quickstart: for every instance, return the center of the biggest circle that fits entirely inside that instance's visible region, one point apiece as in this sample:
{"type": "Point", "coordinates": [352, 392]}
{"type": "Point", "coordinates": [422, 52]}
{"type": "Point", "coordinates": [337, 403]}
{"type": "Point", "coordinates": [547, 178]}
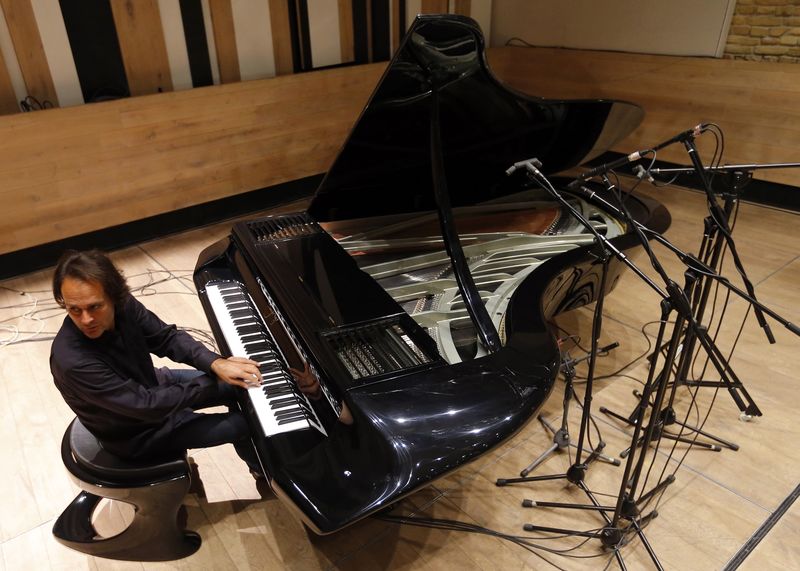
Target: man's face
{"type": "Point", "coordinates": [88, 305]}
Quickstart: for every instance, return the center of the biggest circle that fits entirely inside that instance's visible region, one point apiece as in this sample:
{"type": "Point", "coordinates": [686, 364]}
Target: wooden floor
{"type": "Point", "coordinates": [716, 504]}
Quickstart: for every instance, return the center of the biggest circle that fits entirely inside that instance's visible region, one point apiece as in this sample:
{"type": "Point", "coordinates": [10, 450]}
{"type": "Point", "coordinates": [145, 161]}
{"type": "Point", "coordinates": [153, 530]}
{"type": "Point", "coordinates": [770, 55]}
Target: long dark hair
{"type": "Point", "coordinates": [91, 265]}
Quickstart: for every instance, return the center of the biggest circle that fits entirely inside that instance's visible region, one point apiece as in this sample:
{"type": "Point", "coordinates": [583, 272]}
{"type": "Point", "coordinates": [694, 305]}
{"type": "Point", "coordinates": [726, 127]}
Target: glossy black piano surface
{"type": "Point", "coordinates": [362, 289]}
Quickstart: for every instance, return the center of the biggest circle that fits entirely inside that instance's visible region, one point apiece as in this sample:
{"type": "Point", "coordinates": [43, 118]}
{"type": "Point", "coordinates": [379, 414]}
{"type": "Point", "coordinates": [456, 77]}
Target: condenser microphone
{"type": "Point", "coordinates": [604, 168]}
{"type": "Point", "coordinates": [524, 164]}
{"type": "Point", "coordinates": [635, 156]}
{"type": "Point", "coordinates": [682, 136]}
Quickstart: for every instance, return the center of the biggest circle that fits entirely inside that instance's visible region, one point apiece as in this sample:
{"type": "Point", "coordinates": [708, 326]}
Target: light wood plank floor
{"type": "Point", "coordinates": [717, 502]}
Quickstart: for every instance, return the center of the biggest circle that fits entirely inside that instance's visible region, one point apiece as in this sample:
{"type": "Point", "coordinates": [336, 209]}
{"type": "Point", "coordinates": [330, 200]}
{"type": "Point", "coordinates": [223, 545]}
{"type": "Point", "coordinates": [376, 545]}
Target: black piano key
{"type": "Point", "coordinates": [245, 329]}
{"type": "Point", "coordinates": [290, 415]}
{"type": "Point", "coordinates": [291, 412]}
{"type": "Point", "coordinates": [273, 392]}
{"type": "Point", "coordinates": [288, 420]}
{"type": "Point", "coordinates": [231, 297]}
{"type": "Point", "coordinates": [261, 355]}
{"type": "Point", "coordinates": [252, 350]}
{"type": "Point", "coordinates": [283, 402]}
{"type": "Point", "coordinates": [275, 386]}
{"type": "Point", "coordinates": [301, 405]}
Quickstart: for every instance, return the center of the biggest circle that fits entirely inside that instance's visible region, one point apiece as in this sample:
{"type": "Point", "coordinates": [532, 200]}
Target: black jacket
{"type": "Point", "coordinates": [110, 383]}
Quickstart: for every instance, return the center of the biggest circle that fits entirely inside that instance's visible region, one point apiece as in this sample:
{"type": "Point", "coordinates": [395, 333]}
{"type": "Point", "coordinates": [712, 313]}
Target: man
{"type": "Point", "coordinates": [100, 361]}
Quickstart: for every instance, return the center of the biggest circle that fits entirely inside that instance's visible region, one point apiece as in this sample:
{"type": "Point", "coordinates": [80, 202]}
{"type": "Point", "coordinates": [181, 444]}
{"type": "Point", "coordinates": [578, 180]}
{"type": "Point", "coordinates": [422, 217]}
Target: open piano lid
{"type": "Point", "coordinates": [384, 167]}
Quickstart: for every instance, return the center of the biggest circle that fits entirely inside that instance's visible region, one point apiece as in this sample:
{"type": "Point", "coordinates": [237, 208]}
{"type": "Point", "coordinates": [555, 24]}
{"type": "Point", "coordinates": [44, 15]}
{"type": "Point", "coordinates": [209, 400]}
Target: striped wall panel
{"type": "Point", "coordinates": [24, 31]}
{"type": "Point", "coordinates": [71, 52]}
{"type": "Point", "coordinates": [141, 42]}
{"type": "Point", "coordinates": [196, 40]}
{"type": "Point", "coordinates": [8, 98]}
{"type": "Point", "coordinates": [224, 40]}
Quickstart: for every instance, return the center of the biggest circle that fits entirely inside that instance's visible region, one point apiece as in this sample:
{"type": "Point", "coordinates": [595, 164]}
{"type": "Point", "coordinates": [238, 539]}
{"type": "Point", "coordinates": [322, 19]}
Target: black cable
{"type": "Point", "coordinates": [635, 359]}
{"type": "Point", "coordinates": [521, 540]}
{"type": "Point", "coordinates": [42, 310]}
{"type": "Point", "coordinates": [519, 43]}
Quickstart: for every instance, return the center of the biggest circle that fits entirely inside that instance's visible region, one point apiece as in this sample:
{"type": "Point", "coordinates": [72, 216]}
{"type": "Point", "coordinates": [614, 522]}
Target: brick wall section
{"type": "Point", "coordinates": [765, 30]}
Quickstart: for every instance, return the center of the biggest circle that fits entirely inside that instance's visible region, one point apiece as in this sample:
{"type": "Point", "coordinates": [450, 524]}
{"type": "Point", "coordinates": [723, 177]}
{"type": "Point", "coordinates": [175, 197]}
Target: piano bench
{"type": "Point", "coordinates": [155, 488]}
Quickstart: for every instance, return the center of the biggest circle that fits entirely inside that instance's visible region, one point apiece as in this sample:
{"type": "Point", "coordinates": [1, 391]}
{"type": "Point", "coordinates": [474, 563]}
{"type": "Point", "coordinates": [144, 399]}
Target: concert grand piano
{"type": "Point", "coordinates": [417, 286]}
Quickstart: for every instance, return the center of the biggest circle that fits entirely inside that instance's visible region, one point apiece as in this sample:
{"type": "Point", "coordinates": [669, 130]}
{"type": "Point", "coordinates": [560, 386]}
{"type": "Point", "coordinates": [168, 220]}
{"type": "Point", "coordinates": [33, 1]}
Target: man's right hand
{"type": "Point", "coordinates": [237, 371]}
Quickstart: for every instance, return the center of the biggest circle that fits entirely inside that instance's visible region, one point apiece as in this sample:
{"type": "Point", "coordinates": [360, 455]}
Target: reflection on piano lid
{"type": "Point", "coordinates": [418, 286]}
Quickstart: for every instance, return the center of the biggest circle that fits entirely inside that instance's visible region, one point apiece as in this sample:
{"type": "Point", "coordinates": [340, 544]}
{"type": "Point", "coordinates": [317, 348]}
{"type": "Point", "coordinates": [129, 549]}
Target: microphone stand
{"type": "Point", "coordinates": [702, 275]}
{"type": "Point", "coordinates": [613, 535]}
{"type": "Point", "coordinates": [627, 517]}
{"type": "Point", "coordinates": [561, 437]}
{"type": "Point", "coordinates": [721, 219]}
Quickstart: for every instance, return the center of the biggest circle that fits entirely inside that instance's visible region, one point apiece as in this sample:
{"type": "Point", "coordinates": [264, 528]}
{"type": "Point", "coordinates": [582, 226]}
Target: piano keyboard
{"type": "Point", "coordinates": [278, 403]}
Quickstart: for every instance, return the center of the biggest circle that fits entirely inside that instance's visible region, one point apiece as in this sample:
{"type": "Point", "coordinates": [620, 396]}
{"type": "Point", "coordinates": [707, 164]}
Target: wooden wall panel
{"type": "Point", "coordinates": [69, 171]}
{"type": "Point", "coordinates": [8, 97]}
{"type": "Point", "coordinates": [755, 103]}
{"type": "Point", "coordinates": [64, 172]}
{"type": "Point", "coordinates": [434, 6]}
{"type": "Point", "coordinates": [30, 52]}
{"type": "Point", "coordinates": [346, 30]}
{"type": "Point", "coordinates": [398, 23]}
{"type": "Point", "coordinates": [462, 7]}
{"type": "Point", "coordinates": [281, 36]}
{"type": "Point", "coordinates": [141, 41]}
{"type": "Point", "coordinates": [225, 40]}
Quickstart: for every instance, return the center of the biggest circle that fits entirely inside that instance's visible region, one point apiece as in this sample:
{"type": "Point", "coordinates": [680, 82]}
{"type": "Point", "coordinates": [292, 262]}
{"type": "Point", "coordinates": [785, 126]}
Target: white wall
{"type": "Point", "coordinates": [675, 27]}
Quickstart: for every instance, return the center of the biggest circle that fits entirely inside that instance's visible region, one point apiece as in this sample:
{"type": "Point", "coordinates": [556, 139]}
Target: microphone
{"type": "Point", "coordinates": [520, 164]}
{"type": "Point", "coordinates": [642, 173]}
{"type": "Point", "coordinates": [635, 156]}
{"type": "Point", "coordinates": [682, 136]}
{"type": "Point", "coordinates": [604, 168]}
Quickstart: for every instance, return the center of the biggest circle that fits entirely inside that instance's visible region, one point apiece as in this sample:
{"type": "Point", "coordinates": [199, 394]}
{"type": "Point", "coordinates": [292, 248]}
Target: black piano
{"type": "Point", "coordinates": [418, 285]}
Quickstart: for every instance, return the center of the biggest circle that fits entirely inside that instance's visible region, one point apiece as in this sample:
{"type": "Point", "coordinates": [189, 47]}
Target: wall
{"type": "Point", "coordinates": [64, 172]}
{"type": "Point", "coordinates": [754, 103]}
{"type": "Point", "coordinates": [767, 30]}
{"type": "Point", "coordinates": [677, 27]}
{"type": "Point", "coordinates": [70, 52]}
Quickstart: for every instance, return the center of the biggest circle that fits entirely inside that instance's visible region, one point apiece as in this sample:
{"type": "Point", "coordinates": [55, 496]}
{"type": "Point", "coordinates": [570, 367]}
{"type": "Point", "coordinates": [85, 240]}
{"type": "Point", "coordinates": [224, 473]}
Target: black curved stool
{"type": "Point", "coordinates": [156, 490]}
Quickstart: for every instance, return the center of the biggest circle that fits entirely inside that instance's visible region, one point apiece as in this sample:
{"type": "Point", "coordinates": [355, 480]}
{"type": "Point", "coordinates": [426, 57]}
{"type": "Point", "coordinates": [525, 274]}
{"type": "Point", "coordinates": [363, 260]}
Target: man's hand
{"type": "Point", "coordinates": [237, 371]}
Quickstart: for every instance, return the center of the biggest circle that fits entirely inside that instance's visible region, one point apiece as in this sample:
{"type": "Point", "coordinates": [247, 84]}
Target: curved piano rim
{"type": "Point", "coordinates": [527, 368]}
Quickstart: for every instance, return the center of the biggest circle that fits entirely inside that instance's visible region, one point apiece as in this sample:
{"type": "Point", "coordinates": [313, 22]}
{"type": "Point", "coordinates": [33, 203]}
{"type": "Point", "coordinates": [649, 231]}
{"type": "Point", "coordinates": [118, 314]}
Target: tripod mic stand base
{"type": "Point", "coordinates": [611, 537]}
{"type": "Point", "coordinates": [561, 441]}
{"type": "Point", "coordinates": [576, 473]}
